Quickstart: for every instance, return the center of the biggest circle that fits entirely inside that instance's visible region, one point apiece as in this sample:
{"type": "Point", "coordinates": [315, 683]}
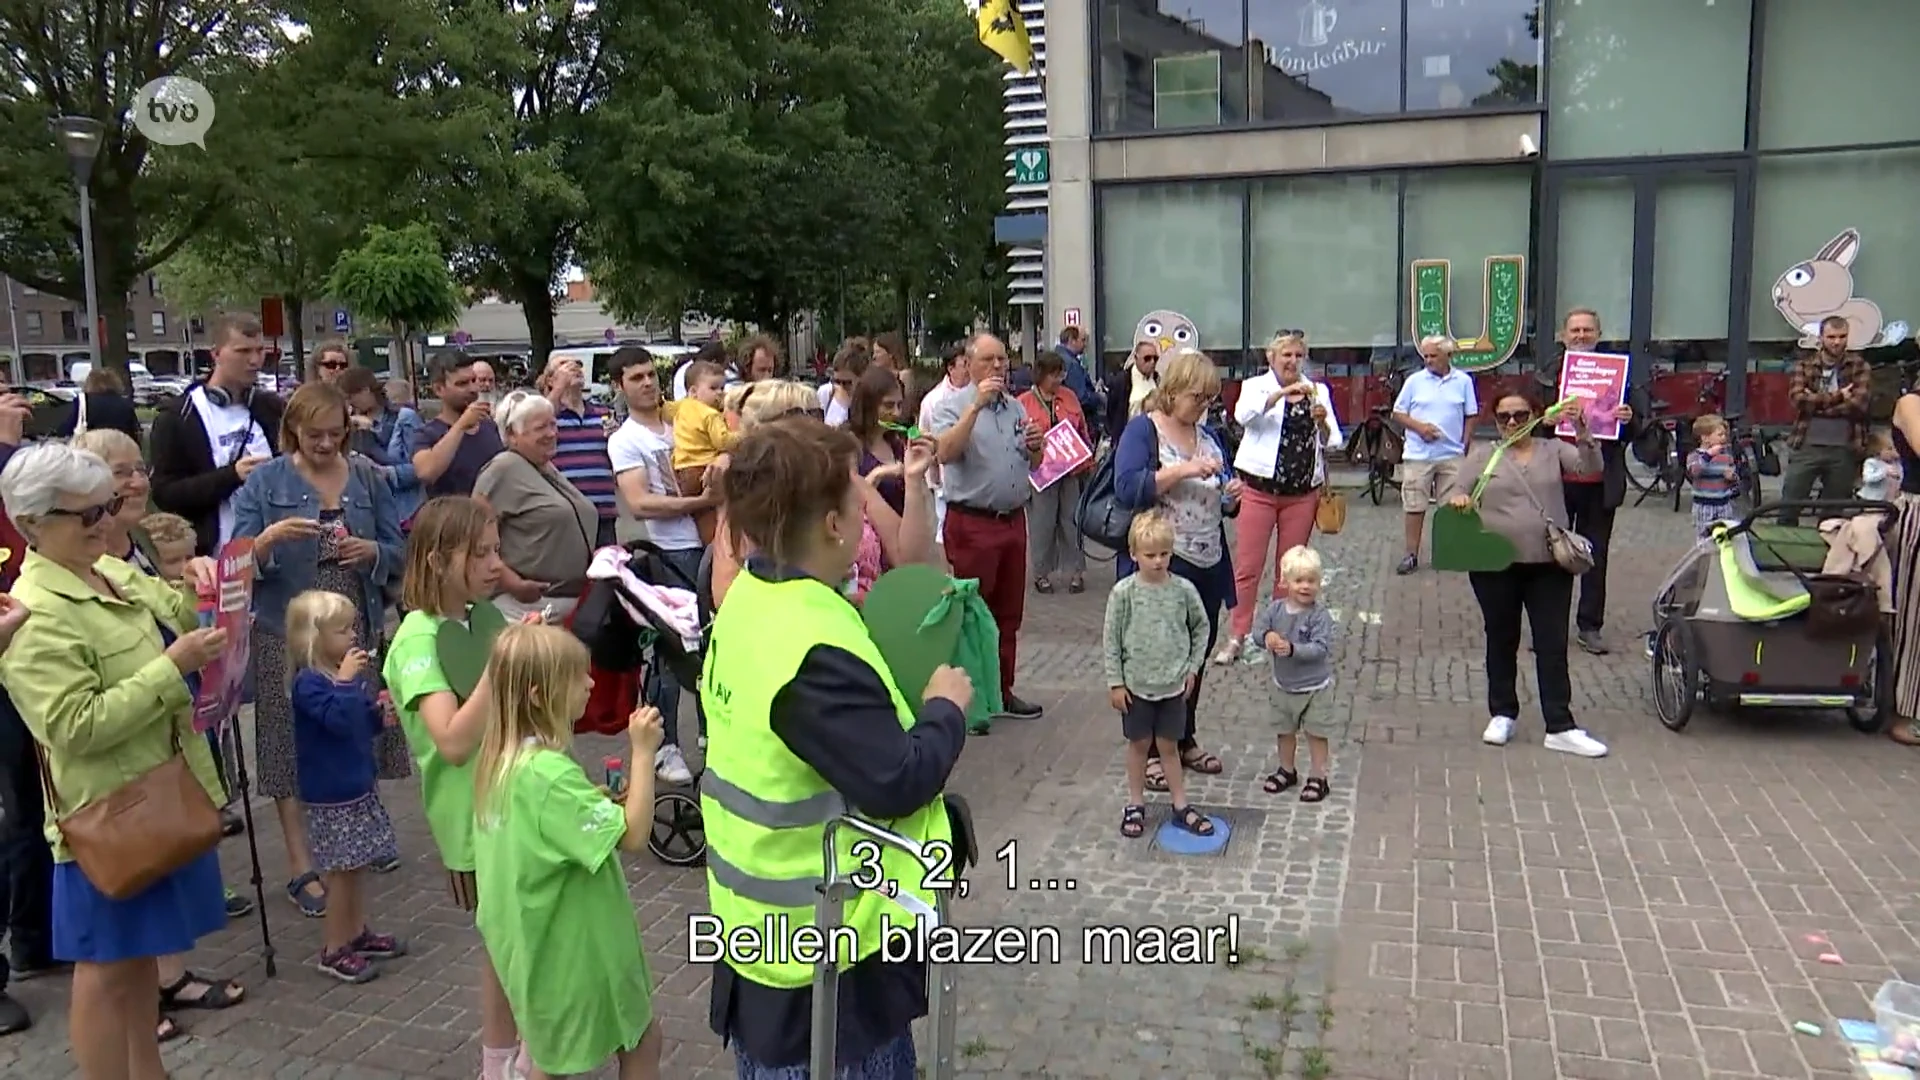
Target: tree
{"type": "Point", "coordinates": [1515, 83]}
{"type": "Point", "coordinates": [399, 278]}
{"type": "Point", "coordinates": [88, 58]}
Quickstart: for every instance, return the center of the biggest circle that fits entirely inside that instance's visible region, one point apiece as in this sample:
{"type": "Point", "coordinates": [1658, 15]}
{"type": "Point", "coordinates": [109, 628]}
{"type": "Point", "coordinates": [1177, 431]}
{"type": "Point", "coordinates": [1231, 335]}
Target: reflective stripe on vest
{"type": "Point", "coordinates": [766, 811]}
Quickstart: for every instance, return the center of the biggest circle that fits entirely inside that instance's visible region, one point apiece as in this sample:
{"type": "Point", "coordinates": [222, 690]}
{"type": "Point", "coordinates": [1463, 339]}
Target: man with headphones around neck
{"type": "Point", "coordinates": [203, 449]}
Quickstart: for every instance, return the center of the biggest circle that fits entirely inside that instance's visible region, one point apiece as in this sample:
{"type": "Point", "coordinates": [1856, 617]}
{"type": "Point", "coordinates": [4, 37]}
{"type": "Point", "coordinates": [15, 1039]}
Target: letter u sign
{"type": "Point", "coordinates": [1502, 306]}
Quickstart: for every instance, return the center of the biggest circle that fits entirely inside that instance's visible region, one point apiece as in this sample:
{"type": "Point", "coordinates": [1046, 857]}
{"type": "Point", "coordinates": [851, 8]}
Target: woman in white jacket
{"type": "Point", "coordinates": [1287, 426]}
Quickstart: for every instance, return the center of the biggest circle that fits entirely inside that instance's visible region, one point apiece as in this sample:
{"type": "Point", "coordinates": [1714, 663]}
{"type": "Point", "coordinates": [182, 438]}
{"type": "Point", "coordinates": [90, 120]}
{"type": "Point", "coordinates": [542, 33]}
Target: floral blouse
{"type": "Point", "coordinates": [1194, 506]}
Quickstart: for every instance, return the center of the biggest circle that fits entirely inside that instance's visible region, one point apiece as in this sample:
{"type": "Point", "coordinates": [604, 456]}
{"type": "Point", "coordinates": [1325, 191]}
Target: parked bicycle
{"type": "Point", "coordinates": [1378, 444]}
{"type": "Point", "coordinates": [1665, 450]}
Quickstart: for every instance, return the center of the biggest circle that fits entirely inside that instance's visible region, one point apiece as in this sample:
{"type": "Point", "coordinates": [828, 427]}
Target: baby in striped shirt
{"type": "Point", "coordinates": [1711, 473]}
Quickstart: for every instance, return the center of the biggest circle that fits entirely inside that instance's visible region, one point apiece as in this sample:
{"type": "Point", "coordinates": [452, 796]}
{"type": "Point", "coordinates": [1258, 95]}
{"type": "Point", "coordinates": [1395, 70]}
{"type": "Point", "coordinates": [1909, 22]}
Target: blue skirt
{"type": "Point", "coordinates": [91, 928]}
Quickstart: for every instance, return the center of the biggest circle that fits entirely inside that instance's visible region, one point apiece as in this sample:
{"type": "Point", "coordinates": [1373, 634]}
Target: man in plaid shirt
{"type": "Point", "coordinates": [1830, 391]}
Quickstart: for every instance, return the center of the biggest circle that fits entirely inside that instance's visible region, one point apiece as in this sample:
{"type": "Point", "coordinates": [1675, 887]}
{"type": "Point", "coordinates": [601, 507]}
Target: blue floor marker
{"type": "Point", "coordinates": [1172, 838]}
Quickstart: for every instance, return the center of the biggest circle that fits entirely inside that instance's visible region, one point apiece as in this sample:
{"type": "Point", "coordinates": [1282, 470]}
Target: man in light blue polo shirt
{"type": "Point", "coordinates": [1434, 406]}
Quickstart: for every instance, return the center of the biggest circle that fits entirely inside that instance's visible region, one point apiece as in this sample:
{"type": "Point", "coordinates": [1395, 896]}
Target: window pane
{"type": "Point", "coordinates": [1465, 216]}
{"type": "Point", "coordinates": [1596, 253]}
{"type": "Point", "coordinates": [1692, 257]}
{"type": "Point", "coordinates": [1171, 64]}
{"type": "Point", "coordinates": [1648, 77]}
{"type": "Point", "coordinates": [1317, 59]}
{"type": "Point", "coordinates": [1805, 204]}
{"type": "Point", "coordinates": [1463, 54]}
{"type": "Point", "coordinates": [1324, 255]}
{"type": "Point", "coordinates": [1173, 247]}
{"type": "Point", "coordinates": [1805, 102]}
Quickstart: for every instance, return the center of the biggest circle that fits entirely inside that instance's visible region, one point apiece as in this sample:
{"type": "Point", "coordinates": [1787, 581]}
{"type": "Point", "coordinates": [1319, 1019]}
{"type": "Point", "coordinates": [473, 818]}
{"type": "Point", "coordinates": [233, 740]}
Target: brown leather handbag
{"type": "Point", "coordinates": [139, 834]}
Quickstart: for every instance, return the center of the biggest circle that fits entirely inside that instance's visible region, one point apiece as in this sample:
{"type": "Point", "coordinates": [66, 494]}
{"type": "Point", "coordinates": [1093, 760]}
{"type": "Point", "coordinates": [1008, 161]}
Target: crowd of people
{"type": "Point", "coordinates": [381, 531]}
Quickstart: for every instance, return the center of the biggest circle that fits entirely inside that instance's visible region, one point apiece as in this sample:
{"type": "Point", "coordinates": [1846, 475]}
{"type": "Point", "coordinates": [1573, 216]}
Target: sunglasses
{"type": "Point", "coordinates": [1520, 417]}
{"type": "Point", "coordinates": [333, 365]}
{"type": "Point", "coordinates": [843, 383]}
{"type": "Point", "coordinates": [91, 515]}
{"type": "Point", "coordinates": [1290, 331]}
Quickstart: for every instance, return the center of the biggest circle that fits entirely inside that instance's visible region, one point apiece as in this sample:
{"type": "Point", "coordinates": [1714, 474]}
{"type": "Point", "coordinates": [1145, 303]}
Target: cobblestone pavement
{"type": "Point", "coordinates": [1453, 910]}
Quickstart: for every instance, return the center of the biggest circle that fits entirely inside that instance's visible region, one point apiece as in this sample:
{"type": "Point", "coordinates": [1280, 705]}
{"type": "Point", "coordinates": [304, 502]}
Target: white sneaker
{"type": "Point", "coordinates": [671, 767]}
{"type": "Point", "coordinates": [1230, 651]}
{"type": "Point", "coordinates": [1576, 742]}
{"type": "Point", "coordinates": [1499, 731]}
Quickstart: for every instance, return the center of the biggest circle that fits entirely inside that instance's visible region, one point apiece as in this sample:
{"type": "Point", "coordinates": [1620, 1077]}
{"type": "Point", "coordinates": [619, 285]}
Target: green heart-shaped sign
{"type": "Point", "coordinates": [1462, 542]}
{"type": "Point", "coordinates": [894, 609]}
{"type": "Point", "coordinates": [463, 648]}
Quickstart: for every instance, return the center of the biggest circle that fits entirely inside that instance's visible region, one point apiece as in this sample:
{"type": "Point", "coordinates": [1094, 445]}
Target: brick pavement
{"type": "Point", "coordinates": [1453, 910]}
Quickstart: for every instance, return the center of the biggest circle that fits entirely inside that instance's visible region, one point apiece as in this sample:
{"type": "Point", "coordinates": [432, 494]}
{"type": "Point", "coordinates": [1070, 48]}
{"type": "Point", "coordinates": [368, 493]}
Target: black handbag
{"type": "Point", "coordinates": [1841, 606]}
{"type": "Point", "coordinates": [1100, 515]}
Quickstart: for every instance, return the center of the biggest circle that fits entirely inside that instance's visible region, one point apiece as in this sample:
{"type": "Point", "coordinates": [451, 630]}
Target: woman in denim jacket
{"type": "Point", "coordinates": [384, 436]}
{"type": "Point", "coordinates": [318, 521]}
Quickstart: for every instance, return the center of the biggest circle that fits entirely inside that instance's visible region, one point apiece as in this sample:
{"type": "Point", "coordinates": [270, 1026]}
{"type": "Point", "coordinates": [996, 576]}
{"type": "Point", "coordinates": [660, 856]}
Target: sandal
{"type": "Point", "coordinates": [1042, 586]}
{"type": "Point", "coordinates": [1279, 780]}
{"type": "Point", "coordinates": [1193, 820]}
{"type": "Point", "coordinates": [310, 905]}
{"type": "Point", "coordinates": [1133, 822]}
{"type": "Point", "coordinates": [167, 1030]}
{"type": "Point", "coordinates": [1076, 585]}
{"type": "Point", "coordinates": [212, 995]}
{"type": "Point", "coordinates": [1156, 776]}
{"type": "Point", "coordinates": [1315, 789]}
{"type": "Point", "coordinates": [1194, 759]}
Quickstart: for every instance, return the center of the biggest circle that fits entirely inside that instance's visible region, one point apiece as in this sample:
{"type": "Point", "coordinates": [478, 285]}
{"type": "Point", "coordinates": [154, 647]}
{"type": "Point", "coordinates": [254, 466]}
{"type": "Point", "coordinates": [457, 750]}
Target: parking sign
{"type": "Point", "coordinates": [342, 322]}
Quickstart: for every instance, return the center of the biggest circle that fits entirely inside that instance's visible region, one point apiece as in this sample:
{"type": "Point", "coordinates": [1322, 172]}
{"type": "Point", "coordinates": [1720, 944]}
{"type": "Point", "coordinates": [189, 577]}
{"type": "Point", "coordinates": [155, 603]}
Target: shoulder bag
{"type": "Point", "coordinates": [1101, 516]}
{"type": "Point", "coordinates": [141, 833]}
{"type": "Point", "coordinates": [1571, 551]}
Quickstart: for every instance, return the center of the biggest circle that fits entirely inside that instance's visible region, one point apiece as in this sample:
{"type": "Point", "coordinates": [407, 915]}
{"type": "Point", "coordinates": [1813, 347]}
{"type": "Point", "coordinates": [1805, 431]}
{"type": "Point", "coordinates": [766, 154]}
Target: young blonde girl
{"type": "Point", "coordinates": [452, 567]}
{"type": "Point", "coordinates": [335, 720]}
{"type": "Point", "coordinates": [554, 910]}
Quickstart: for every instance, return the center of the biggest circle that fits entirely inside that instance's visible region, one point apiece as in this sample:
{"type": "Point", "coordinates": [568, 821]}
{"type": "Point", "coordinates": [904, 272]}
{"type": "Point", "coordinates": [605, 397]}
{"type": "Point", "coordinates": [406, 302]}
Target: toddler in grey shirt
{"type": "Point", "coordinates": [1300, 635]}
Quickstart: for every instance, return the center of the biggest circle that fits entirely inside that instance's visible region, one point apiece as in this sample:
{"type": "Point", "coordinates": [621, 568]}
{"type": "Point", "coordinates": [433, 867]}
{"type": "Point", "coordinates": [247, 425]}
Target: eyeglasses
{"type": "Point", "coordinates": [333, 365]}
{"type": "Point", "coordinates": [1520, 417]}
{"type": "Point", "coordinates": [128, 472]}
{"type": "Point", "coordinates": [91, 515]}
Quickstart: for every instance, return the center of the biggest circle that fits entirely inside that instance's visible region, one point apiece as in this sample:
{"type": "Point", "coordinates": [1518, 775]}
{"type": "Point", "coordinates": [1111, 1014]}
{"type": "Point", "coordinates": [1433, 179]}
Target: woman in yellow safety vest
{"type": "Point", "coordinates": [805, 724]}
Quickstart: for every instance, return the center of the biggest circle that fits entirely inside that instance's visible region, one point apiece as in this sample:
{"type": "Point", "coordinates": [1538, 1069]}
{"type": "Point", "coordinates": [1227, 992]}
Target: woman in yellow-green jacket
{"type": "Point", "coordinates": [106, 701]}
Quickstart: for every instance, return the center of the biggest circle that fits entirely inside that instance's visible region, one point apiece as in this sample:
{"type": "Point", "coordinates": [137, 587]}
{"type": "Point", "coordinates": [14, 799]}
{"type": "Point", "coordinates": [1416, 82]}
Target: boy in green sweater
{"type": "Point", "coordinates": [1155, 641]}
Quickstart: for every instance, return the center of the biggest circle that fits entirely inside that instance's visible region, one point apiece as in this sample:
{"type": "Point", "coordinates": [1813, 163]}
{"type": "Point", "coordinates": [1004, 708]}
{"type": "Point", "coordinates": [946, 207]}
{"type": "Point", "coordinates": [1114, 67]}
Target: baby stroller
{"type": "Point", "coordinates": [622, 621]}
{"type": "Point", "coordinates": [1749, 619]}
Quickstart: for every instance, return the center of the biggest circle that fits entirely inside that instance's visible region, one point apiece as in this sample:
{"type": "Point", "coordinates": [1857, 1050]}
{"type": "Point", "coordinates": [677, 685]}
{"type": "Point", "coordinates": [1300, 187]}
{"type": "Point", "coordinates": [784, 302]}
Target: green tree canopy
{"type": "Point", "coordinates": [399, 278]}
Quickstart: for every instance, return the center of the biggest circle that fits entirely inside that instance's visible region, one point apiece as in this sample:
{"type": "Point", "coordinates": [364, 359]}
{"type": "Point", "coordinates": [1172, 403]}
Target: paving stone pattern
{"type": "Point", "coordinates": [1453, 910]}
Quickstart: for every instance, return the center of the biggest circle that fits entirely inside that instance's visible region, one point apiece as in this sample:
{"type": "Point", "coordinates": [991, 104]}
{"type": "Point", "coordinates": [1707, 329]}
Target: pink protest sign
{"type": "Point", "coordinates": [1600, 381]}
{"type": "Point", "coordinates": [1064, 452]}
{"type": "Point", "coordinates": [222, 682]}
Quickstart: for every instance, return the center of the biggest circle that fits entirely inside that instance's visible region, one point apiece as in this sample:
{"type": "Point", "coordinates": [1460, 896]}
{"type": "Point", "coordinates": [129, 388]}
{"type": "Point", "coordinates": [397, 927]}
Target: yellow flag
{"type": "Point", "coordinates": [1005, 32]}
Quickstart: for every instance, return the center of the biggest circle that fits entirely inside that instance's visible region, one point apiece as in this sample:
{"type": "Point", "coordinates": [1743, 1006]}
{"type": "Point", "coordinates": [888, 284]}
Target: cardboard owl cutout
{"type": "Point", "coordinates": [1169, 330]}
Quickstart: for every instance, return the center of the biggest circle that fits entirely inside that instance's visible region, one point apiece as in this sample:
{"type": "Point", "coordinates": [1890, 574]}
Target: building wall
{"type": "Point", "coordinates": [1672, 163]}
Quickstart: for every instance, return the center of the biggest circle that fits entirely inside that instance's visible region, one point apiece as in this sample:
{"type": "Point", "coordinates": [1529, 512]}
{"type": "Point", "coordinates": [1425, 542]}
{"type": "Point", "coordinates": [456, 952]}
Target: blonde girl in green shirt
{"type": "Point", "coordinates": [554, 910]}
{"type": "Point", "coordinates": [453, 567]}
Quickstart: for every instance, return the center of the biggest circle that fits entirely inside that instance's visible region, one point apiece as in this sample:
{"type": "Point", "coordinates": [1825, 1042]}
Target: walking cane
{"type": "Point", "coordinates": [834, 891]}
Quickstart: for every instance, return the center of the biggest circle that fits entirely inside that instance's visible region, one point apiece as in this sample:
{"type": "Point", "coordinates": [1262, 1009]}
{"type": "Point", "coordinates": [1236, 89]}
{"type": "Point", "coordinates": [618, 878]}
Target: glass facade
{"type": "Point", "coordinates": [1710, 183]}
{"type": "Point", "coordinates": [1165, 65]}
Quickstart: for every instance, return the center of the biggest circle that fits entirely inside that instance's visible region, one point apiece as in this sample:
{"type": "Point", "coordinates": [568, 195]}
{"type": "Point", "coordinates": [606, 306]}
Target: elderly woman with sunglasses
{"type": "Point", "coordinates": [106, 700]}
{"type": "Point", "coordinates": [1515, 484]}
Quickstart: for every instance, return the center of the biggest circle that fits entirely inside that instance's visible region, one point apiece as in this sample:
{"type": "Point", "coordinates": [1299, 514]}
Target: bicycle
{"type": "Point", "coordinates": [1378, 444]}
{"type": "Point", "coordinates": [1753, 452]}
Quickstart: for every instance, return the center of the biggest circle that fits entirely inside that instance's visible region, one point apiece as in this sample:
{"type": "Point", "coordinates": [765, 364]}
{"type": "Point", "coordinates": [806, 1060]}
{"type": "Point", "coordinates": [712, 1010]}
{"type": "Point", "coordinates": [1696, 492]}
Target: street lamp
{"type": "Point", "coordinates": [80, 137]}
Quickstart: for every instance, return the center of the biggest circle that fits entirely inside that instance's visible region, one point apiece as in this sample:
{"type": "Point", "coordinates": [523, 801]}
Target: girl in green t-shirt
{"type": "Point", "coordinates": [554, 909]}
{"type": "Point", "coordinates": [453, 566]}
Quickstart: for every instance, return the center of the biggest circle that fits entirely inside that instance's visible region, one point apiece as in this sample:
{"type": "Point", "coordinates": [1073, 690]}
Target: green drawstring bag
{"type": "Point", "coordinates": [920, 619]}
{"type": "Point", "coordinates": [978, 650]}
{"type": "Point", "coordinates": [1461, 542]}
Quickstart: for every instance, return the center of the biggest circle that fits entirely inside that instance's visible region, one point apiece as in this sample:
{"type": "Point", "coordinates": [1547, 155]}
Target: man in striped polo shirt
{"type": "Point", "coordinates": [584, 427]}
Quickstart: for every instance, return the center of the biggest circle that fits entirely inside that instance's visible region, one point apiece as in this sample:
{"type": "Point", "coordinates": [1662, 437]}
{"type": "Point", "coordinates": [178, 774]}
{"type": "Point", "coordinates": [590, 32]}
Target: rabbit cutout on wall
{"type": "Point", "coordinates": [1822, 287]}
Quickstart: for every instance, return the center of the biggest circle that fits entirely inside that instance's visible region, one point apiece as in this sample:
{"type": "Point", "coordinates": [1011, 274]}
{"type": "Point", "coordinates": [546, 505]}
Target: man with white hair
{"type": "Point", "coordinates": [986, 450]}
{"type": "Point", "coordinates": [1435, 406]}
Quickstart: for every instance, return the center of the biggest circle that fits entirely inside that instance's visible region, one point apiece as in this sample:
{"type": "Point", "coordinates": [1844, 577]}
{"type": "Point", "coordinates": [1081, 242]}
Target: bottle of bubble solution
{"type": "Point", "coordinates": [209, 605]}
{"type": "Point", "coordinates": [616, 777]}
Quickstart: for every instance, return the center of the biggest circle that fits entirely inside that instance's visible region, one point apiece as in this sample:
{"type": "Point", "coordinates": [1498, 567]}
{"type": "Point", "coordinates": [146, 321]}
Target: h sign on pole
{"type": "Point", "coordinates": [1071, 316]}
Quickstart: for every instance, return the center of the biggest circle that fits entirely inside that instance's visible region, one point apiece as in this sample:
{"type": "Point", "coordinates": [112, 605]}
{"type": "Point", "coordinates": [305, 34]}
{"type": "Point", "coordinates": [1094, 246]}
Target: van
{"type": "Point", "coordinates": [141, 378]}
